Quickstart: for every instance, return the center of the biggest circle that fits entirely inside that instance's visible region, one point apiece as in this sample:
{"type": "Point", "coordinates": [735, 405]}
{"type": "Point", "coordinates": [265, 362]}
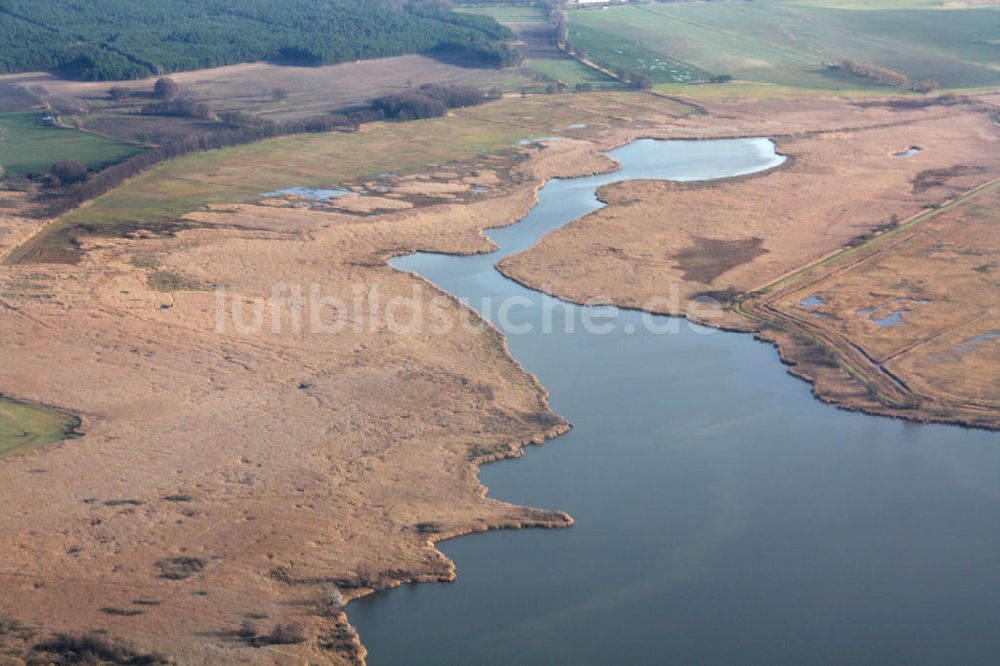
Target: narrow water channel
{"type": "Point", "coordinates": [723, 515]}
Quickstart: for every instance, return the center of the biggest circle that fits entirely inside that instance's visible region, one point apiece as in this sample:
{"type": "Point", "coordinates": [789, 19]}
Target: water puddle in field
{"type": "Point", "coordinates": [540, 139]}
{"type": "Point", "coordinates": [890, 319]}
{"type": "Point", "coordinates": [973, 342]}
{"type": "Point", "coordinates": [311, 193]}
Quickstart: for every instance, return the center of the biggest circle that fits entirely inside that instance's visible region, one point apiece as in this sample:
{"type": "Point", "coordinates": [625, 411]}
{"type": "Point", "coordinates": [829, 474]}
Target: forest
{"type": "Point", "coordinates": [108, 40]}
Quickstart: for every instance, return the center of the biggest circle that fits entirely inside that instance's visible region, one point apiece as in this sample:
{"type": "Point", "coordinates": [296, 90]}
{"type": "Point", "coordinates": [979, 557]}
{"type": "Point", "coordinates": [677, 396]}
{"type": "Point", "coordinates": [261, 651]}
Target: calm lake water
{"type": "Point", "coordinates": [723, 515]}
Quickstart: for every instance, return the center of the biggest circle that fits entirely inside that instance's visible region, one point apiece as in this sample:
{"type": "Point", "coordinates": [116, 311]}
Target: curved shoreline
{"type": "Point", "coordinates": [466, 278]}
{"type": "Point", "coordinates": [830, 387]}
{"type": "Point", "coordinates": [516, 449]}
{"type": "Point", "coordinates": [394, 521]}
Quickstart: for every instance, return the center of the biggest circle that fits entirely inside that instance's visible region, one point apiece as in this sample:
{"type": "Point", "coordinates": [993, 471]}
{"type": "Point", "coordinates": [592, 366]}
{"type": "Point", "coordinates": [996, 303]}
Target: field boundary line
{"type": "Point", "coordinates": [905, 225]}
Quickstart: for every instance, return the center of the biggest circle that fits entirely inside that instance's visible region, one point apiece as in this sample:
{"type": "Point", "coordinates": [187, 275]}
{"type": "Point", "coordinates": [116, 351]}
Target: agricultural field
{"type": "Point", "coordinates": [24, 427]}
{"type": "Point", "coordinates": [28, 147]}
{"type": "Point", "coordinates": [788, 43]}
{"type": "Point", "coordinates": [619, 52]}
{"type": "Point", "coordinates": [536, 42]}
{"type": "Point", "coordinates": [570, 73]}
{"type": "Point", "coordinates": [249, 88]}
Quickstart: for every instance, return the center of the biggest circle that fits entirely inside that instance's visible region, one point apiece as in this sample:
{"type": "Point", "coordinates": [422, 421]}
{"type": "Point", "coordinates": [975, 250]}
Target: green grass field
{"type": "Point", "coordinates": [615, 48]}
{"type": "Point", "coordinates": [28, 147]}
{"type": "Point", "coordinates": [787, 42]}
{"type": "Point", "coordinates": [24, 427]}
{"type": "Point", "coordinates": [241, 173]}
{"type": "Point", "coordinates": [571, 72]}
{"type": "Point", "coordinates": [547, 61]}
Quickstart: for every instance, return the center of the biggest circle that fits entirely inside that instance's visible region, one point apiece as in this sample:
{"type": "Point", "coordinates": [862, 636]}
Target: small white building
{"type": "Point", "coordinates": [581, 4]}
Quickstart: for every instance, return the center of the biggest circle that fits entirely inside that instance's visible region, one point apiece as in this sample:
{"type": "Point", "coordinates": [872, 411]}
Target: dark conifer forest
{"type": "Point", "coordinates": [123, 39]}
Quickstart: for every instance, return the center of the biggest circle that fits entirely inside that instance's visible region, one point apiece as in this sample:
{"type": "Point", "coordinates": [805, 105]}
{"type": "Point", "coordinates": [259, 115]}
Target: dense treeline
{"type": "Point", "coordinates": [124, 39]}
{"type": "Point", "coordinates": [429, 101]}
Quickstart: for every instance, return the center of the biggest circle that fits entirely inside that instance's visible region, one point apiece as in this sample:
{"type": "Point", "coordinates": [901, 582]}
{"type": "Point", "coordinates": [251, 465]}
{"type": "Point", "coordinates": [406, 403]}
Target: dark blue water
{"type": "Point", "coordinates": [723, 515]}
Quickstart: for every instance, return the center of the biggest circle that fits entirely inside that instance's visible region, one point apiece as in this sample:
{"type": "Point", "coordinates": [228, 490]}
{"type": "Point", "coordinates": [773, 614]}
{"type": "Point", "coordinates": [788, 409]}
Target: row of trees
{"type": "Point", "coordinates": [636, 80]}
{"type": "Point", "coordinates": [874, 72]}
{"type": "Point", "coordinates": [430, 101]}
{"type": "Point", "coordinates": [886, 76]}
{"type": "Point", "coordinates": [124, 39]}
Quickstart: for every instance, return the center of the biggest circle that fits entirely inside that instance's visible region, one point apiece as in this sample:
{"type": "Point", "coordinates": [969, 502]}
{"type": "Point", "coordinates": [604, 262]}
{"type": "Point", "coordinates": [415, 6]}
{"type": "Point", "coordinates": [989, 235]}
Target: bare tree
{"type": "Point", "coordinates": [279, 94]}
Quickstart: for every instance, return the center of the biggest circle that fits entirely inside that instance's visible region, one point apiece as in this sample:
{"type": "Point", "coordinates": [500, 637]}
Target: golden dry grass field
{"type": "Point", "coordinates": [923, 305]}
{"type": "Point", "coordinates": [227, 475]}
{"type": "Point", "coordinates": [223, 475]}
{"type": "Point", "coordinates": [726, 239]}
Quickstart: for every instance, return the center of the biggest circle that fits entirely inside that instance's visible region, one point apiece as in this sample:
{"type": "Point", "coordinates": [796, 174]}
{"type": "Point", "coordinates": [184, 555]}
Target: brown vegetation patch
{"type": "Point", "coordinates": [180, 568]}
{"type": "Point", "coordinates": [17, 221]}
{"type": "Point", "coordinates": [362, 204]}
{"type": "Point", "coordinates": [708, 258]}
{"type": "Point", "coordinates": [919, 310]}
{"type": "Point", "coordinates": [172, 281]}
{"type": "Point", "coordinates": [92, 649]}
{"type": "Point", "coordinates": [62, 244]}
{"type": "Point", "coordinates": [931, 178]}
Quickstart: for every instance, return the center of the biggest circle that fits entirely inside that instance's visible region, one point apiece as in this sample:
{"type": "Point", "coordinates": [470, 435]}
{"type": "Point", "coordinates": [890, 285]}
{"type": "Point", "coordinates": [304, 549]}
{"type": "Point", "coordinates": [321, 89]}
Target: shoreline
{"type": "Point", "coordinates": [516, 197]}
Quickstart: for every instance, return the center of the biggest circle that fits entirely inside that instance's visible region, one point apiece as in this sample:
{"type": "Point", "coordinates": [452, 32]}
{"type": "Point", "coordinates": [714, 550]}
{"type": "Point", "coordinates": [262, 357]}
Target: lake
{"type": "Point", "coordinates": [723, 515]}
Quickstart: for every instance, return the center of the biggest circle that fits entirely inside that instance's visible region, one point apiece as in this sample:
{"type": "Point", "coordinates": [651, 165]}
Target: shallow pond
{"type": "Point", "coordinates": [723, 515]}
{"type": "Point", "coordinates": [311, 193]}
